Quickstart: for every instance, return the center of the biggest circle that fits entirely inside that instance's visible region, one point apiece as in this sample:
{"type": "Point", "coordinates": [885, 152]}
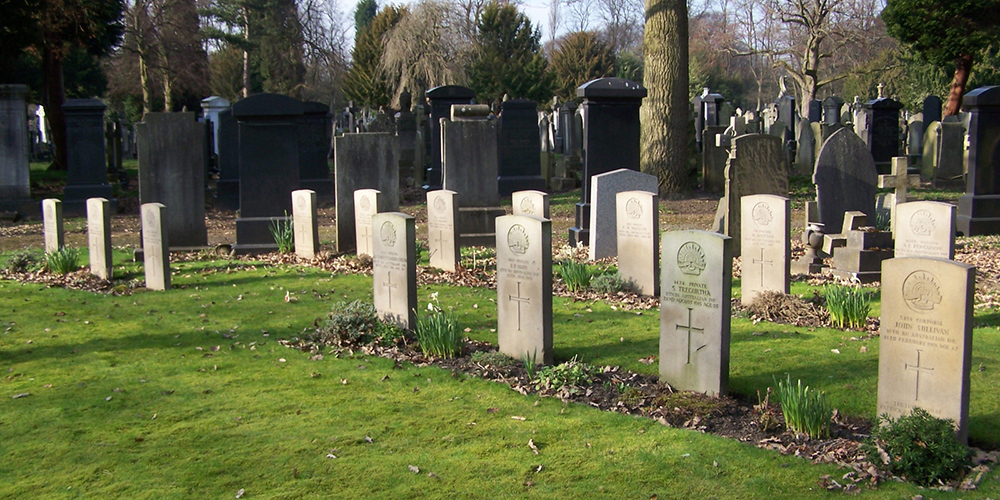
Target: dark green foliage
{"type": "Point", "coordinates": [507, 58]}
{"type": "Point", "coordinates": [63, 261]}
{"type": "Point", "coordinates": [365, 84]}
{"type": "Point", "coordinates": [580, 57]}
{"type": "Point", "coordinates": [24, 260]}
{"type": "Point", "coordinates": [576, 275]}
{"type": "Point", "coordinates": [608, 283]}
{"type": "Point", "coordinates": [573, 373]}
{"type": "Point", "coordinates": [943, 30]}
{"type": "Point", "coordinates": [629, 66]}
{"type": "Point", "coordinates": [356, 324]}
{"type": "Point", "coordinates": [493, 358]}
{"type": "Point", "coordinates": [918, 447]}
{"type": "Point", "coordinates": [364, 12]}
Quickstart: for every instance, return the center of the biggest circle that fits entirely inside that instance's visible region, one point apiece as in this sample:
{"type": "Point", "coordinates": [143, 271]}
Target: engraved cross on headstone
{"type": "Point", "coordinates": [519, 299]}
{"type": "Point", "coordinates": [440, 240]}
{"type": "Point", "coordinates": [366, 239]}
{"type": "Point", "coordinates": [762, 262]}
{"type": "Point", "coordinates": [917, 368]}
{"type": "Point", "coordinates": [690, 329]}
{"type": "Point", "coordinates": [390, 285]}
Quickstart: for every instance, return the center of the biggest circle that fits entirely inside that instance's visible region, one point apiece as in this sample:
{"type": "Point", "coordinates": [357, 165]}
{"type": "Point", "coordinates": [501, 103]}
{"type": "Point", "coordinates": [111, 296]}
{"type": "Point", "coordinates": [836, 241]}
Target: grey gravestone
{"type": "Point", "coordinates": [711, 105]}
{"type": "Point", "coordinates": [524, 287]}
{"type": "Point", "coordinates": [519, 148]}
{"type": "Point", "coordinates": [530, 203]}
{"type": "Point", "coordinates": [930, 158]}
{"type": "Point", "coordinates": [860, 260]}
{"type": "Point", "coordinates": [815, 111]}
{"type": "Point", "coordinates": [786, 112]}
{"type": "Point", "coordinates": [931, 110]}
{"type": "Point", "coordinates": [925, 343]}
{"type": "Point", "coordinates": [366, 204]}
{"type": "Point", "coordinates": [211, 107]}
{"type": "Point", "coordinates": [883, 130]}
{"type": "Point", "coordinates": [304, 223]}
{"type": "Point", "coordinates": [406, 135]}
{"type": "Point", "coordinates": [269, 167]}
{"type": "Point", "coordinates": [155, 247]}
{"type": "Point", "coordinates": [440, 100]}
{"type": "Point", "coordinates": [845, 179]}
{"type": "Point", "coordinates": [315, 131]}
{"type": "Point", "coordinates": [767, 252]}
{"type": "Point", "coordinates": [394, 268]}
{"type": "Point", "coordinates": [15, 190]}
{"type": "Point", "coordinates": [86, 170]}
{"type": "Point", "coordinates": [756, 166]}
{"type": "Point", "coordinates": [696, 280]}
{"type": "Point", "coordinates": [227, 195]}
{"type": "Point", "coordinates": [925, 229]}
{"type": "Point", "coordinates": [979, 207]}
{"type": "Point", "coordinates": [805, 152]}
{"type": "Point", "coordinates": [915, 135]}
{"type": "Point", "coordinates": [469, 168]}
{"type": "Point", "coordinates": [950, 164]}
{"type": "Point", "coordinates": [604, 189]}
{"type": "Point", "coordinates": [99, 237]}
{"type": "Point", "coordinates": [172, 165]}
{"type": "Point", "coordinates": [699, 116]}
{"type": "Point", "coordinates": [442, 240]}
{"type": "Point", "coordinates": [52, 224]}
{"type": "Point", "coordinates": [363, 161]}
{"type": "Point", "coordinates": [610, 141]}
{"type": "Point", "coordinates": [715, 151]}
{"type": "Point", "coordinates": [831, 117]}
{"type": "Point", "coordinates": [639, 240]}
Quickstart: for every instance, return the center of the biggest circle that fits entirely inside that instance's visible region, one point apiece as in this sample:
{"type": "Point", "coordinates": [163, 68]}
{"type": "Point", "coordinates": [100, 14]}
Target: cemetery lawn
{"type": "Point", "coordinates": [188, 393]}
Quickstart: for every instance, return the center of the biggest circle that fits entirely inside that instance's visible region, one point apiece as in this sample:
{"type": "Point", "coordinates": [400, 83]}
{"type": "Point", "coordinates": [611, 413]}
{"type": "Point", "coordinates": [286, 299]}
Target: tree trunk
{"type": "Point", "coordinates": [246, 55]}
{"type": "Point", "coordinates": [664, 115]}
{"type": "Point", "coordinates": [962, 69]}
{"type": "Point", "coordinates": [144, 83]}
{"type": "Point", "coordinates": [53, 98]}
{"type": "Point", "coordinates": [168, 84]}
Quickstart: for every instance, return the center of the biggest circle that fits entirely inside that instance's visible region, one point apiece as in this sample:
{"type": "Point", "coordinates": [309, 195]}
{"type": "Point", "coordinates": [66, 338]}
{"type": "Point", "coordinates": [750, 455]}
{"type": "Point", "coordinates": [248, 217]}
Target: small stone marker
{"type": "Point", "coordinates": [925, 341]}
{"type": "Point", "coordinates": [603, 214]}
{"type": "Point", "coordinates": [638, 240]}
{"type": "Point", "coordinates": [766, 249]}
{"type": "Point", "coordinates": [366, 204]}
{"type": "Point", "coordinates": [524, 287]}
{"type": "Point", "coordinates": [442, 212]}
{"type": "Point", "coordinates": [304, 224]}
{"type": "Point", "coordinates": [394, 268]}
{"type": "Point", "coordinates": [530, 202]}
{"type": "Point", "coordinates": [696, 279]}
{"type": "Point", "coordinates": [155, 247]}
{"type": "Point", "coordinates": [925, 229]}
{"type": "Point", "coordinates": [52, 221]}
{"type": "Point", "coordinates": [99, 237]}
{"type": "Point", "coordinates": [899, 180]}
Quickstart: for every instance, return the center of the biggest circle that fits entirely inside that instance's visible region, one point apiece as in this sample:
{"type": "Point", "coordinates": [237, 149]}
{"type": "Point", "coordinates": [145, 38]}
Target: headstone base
{"type": "Point", "coordinates": [579, 235]}
{"type": "Point", "coordinates": [510, 184]}
{"type": "Point", "coordinates": [253, 234]}
{"type": "Point", "coordinates": [477, 226]}
{"type": "Point", "coordinates": [227, 195]}
{"type": "Point", "coordinates": [19, 200]}
{"type": "Point", "coordinates": [975, 214]}
{"type": "Point", "coordinates": [75, 198]}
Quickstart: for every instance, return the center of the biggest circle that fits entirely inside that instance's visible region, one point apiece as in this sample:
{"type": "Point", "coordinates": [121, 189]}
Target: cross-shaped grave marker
{"type": "Point", "coordinates": [762, 262]}
{"type": "Point", "coordinates": [519, 299]}
{"type": "Point", "coordinates": [917, 368]}
{"type": "Point", "coordinates": [390, 285]}
{"type": "Point", "coordinates": [365, 240]}
{"type": "Point", "coordinates": [690, 329]}
{"type": "Point", "coordinates": [898, 180]}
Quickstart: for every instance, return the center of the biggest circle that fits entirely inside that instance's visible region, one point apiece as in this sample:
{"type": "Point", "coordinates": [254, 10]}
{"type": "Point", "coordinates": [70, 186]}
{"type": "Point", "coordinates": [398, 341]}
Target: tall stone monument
{"type": "Point", "coordinates": [15, 190]}
{"type": "Point", "coordinates": [519, 148]}
{"type": "Point", "coordinates": [979, 207]}
{"type": "Point", "coordinates": [440, 100]}
{"type": "Point", "coordinates": [469, 163]}
{"type": "Point", "coordinates": [315, 134]}
{"type": "Point", "coordinates": [86, 170]}
{"type": "Point", "coordinates": [363, 161]}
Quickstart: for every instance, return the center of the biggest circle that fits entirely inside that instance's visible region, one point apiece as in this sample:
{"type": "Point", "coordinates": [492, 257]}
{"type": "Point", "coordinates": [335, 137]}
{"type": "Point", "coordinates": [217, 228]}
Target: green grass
{"type": "Point", "coordinates": [124, 403]}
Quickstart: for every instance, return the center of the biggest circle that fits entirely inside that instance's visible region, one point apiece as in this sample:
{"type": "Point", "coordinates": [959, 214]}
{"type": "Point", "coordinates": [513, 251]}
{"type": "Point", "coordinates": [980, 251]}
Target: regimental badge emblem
{"type": "Point", "coordinates": [761, 214]}
{"type": "Point", "coordinates": [633, 208]}
{"type": "Point", "coordinates": [151, 220]}
{"type": "Point", "coordinates": [439, 205]}
{"type": "Point", "coordinates": [527, 206]}
{"type": "Point", "coordinates": [922, 223]}
{"type": "Point", "coordinates": [921, 291]}
{"type": "Point", "coordinates": [301, 202]}
{"type": "Point", "coordinates": [517, 239]}
{"type": "Point", "coordinates": [388, 234]}
{"type": "Point", "coordinates": [691, 258]}
{"type": "Point", "coordinates": [365, 203]}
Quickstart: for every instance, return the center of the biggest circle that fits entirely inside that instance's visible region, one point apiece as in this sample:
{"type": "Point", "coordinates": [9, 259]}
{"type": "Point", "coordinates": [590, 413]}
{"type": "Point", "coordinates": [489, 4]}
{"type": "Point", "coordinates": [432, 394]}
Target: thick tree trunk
{"type": "Point", "coordinates": [53, 98]}
{"type": "Point", "coordinates": [962, 69]}
{"type": "Point", "coordinates": [144, 83]}
{"type": "Point", "coordinates": [664, 115]}
{"type": "Point", "coordinates": [168, 84]}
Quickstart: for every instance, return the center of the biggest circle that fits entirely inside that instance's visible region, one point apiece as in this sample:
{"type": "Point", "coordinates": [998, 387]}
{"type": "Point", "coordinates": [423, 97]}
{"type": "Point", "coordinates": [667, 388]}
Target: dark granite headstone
{"type": "Point", "coordinates": [440, 99]}
{"type": "Point", "coordinates": [269, 167]}
{"type": "Point", "coordinates": [172, 164]}
{"type": "Point", "coordinates": [932, 110]}
{"type": "Point", "coordinates": [86, 170]}
{"type": "Point", "coordinates": [406, 135]}
{"type": "Point", "coordinates": [469, 164]}
{"type": "Point", "coordinates": [711, 104]}
{"type": "Point", "coordinates": [568, 130]}
{"type": "Point", "coordinates": [979, 207]}
{"type": "Point", "coordinates": [611, 140]}
{"type": "Point", "coordinates": [363, 161]}
{"type": "Point", "coordinates": [815, 110]}
{"type": "Point", "coordinates": [227, 192]}
{"type": "Point", "coordinates": [519, 147]}
{"type": "Point", "coordinates": [831, 116]}
{"type": "Point", "coordinates": [786, 111]}
{"type": "Point", "coordinates": [699, 117]}
{"type": "Point", "coordinates": [845, 179]}
{"type": "Point", "coordinates": [15, 189]}
{"type": "Point", "coordinates": [883, 130]}
{"type": "Point", "coordinates": [314, 149]}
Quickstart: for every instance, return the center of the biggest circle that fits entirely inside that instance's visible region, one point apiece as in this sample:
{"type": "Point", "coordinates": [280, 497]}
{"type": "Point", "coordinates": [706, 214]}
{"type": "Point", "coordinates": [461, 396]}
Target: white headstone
{"type": "Point", "coordinates": [638, 240]}
{"type": "Point", "coordinates": [766, 249]}
{"type": "Point", "coordinates": [155, 247]}
{"type": "Point", "coordinates": [442, 242]}
{"type": "Point", "coordinates": [52, 222]}
{"type": "Point", "coordinates": [99, 237]}
{"type": "Point", "coordinates": [394, 268]}
{"type": "Point", "coordinates": [530, 202]}
{"type": "Point", "coordinates": [366, 203]}
{"type": "Point", "coordinates": [603, 214]}
{"type": "Point", "coordinates": [925, 229]}
{"type": "Point", "coordinates": [524, 287]}
{"type": "Point", "coordinates": [305, 227]}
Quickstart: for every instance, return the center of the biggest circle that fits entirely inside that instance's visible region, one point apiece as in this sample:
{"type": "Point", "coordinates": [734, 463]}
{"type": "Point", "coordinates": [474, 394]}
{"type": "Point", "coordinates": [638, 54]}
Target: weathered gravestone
{"type": "Point", "coordinates": [269, 167]}
{"type": "Point", "coordinates": [766, 249]}
{"type": "Point", "coordinates": [15, 190]}
{"type": "Point", "coordinates": [363, 161]}
{"type": "Point", "coordinates": [638, 240]}
{"type": "Point", "coordinates": [366, 204]}
{"type": "Point", "coordinates": [304, 224]}
{"type": "Point", "coordinates": [407, 138]}
{"type": "Point", "coordinates": [925, 229]}
{"type": "Point", "coordinates": [530, 203]}
{"type": "Point", "coordinates": [915, 135]}
{"type": "Point", "coordinates": [883, 130]}
{"type": "Point", "coordinates": [52, 224]}
{"type": "Point", "coordinates": [469, 167]}
{"type": "Point", "coordinates": [845, 179]}
{"type": "Point", "coordinates": [442, 240]}
{"type": "Point", "coordinates": [950, 162]}
{"type": "Point", "coordinates": [519, 147]}
{"type": "Point", "coordinates": [394, 268]}
{"type": "Point", "coordinates": [610, 141]}
{"type": "Point", "coordinates": [524, 287]}
{"type": "Point", "coordinates": [440, 100]}
{"type": "Point", "coordinates": [929, 155]}
{"type": "Point", "coordinates": [815, 113]}
{"type": "Point", "coordinates": [99, 237]}
{"type": "Point", "coordinates": [756, 166]}
{"type": "Point", "coordinates": [86, 170]}
{"type": "Point", "coordinates": [155, 247]}
{"type": "Point", "coordinates": [603, 214]}
{"type": "Point", "coordinates": [315, 129]}
{"type": "Point", "coordinates": [696, 279]}
{"type": "Point", "coordinates": [805, 152]}
{"type": "Point", "coordinates": [979, 207]}
{"type": "Point", "coordinates": [172, 168]}
{"type": "Point", "coordinates": [831, 118]}
{"type": "Point", "coordinates": [227, 188]}
{"type": "Point", "coordinates": [925, 341]}
{"type": "Point", "coordinates": [715, 152]}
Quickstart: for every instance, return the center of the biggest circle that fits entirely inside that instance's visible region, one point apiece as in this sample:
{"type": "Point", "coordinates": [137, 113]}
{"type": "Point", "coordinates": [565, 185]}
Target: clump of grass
{"type": "Point", "coordinates": [609, 283]}
{"type": "Point", "coordinates": [356, 324]}
{"type": "Point", "coordinates": [493, 358]}
{"type": "Point", "coordinates": [24, 260]}
{"type": "Point", "coordinates": [530, 364]}
{"type": "Point", "coordinates": [283, 232]}
{"type": "Point", "coordinates": [63, 261]}
{"type": "Point", "coordinates": [806, 411]}
{"type": "Point", "coordinates": [575, 275]}
{"type": "Point", "coordinates": [573, 373]}
{"type": "Point", "coordinates": [849, 306]}
{"type": "Point", "coordinates": [918, 447]}
{"type": "Point", "coordinates": [438, 333]}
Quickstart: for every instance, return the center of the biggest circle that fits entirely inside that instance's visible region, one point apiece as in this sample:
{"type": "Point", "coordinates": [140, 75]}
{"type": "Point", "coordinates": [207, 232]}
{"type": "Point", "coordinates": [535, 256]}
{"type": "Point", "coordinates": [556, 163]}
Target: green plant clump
{"type": "Point", "coordinates": [63, 261]}
{"type": "Point", "coordinates": [805, 411]}
{"type": "Point", "coordinates": [493, 358]}
{"type": "Point", "coordinates": [849, 306]}
{"type": "Point", "coordinates": [283, 232]}
{"type": "Point", "coordinates": [573, 373]}
{"type": "Point", "coordinates": [918, 447]}
{"type": "Point", "coordinates": [609, 283]}
{"type": "Point", "coordinates": [438, 333]}
{"type": "Point", "coordinates": [576, 275]}
{"type": "Point", "coordinates": [356, 324]}
{"type": "Point", "coordinates": [24, 260]}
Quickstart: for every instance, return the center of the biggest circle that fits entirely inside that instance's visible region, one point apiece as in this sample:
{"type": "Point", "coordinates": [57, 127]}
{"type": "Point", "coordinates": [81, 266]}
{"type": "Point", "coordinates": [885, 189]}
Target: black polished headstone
{"type": "Point", "coordinates": [711, 105]}
{"type": "Point", "coordinates": [979, 207]}
{"type": "Point", "coordinates": [815, 111]}
{"type": "Point", "coordinates": [440, 99]}
{"type": "Point", "coordinates": [86, 170]}
{"type": "Point", "coordinates": [227, 189]}
{"type": "Point", "coordinates": [831, 110]}
{"type": "Point", "coordinates": [883, 131]}
{"type": "Point", "coordinates": [931, 110]}
{"type": "Point", "coordinates": [269, 167]}
{"type": "Point", "coordinates": [519, 150]}
{"type": "Point", "coordinates": [786, 111]}
{"type": "Point", "coordinates": [406, 135]}
{"type": "Point", "coordinates": [15, 186]}
{"type": "Point", "coordinates": [610, 140]}
{"type": "Point", "coordinates": [315, 132]}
